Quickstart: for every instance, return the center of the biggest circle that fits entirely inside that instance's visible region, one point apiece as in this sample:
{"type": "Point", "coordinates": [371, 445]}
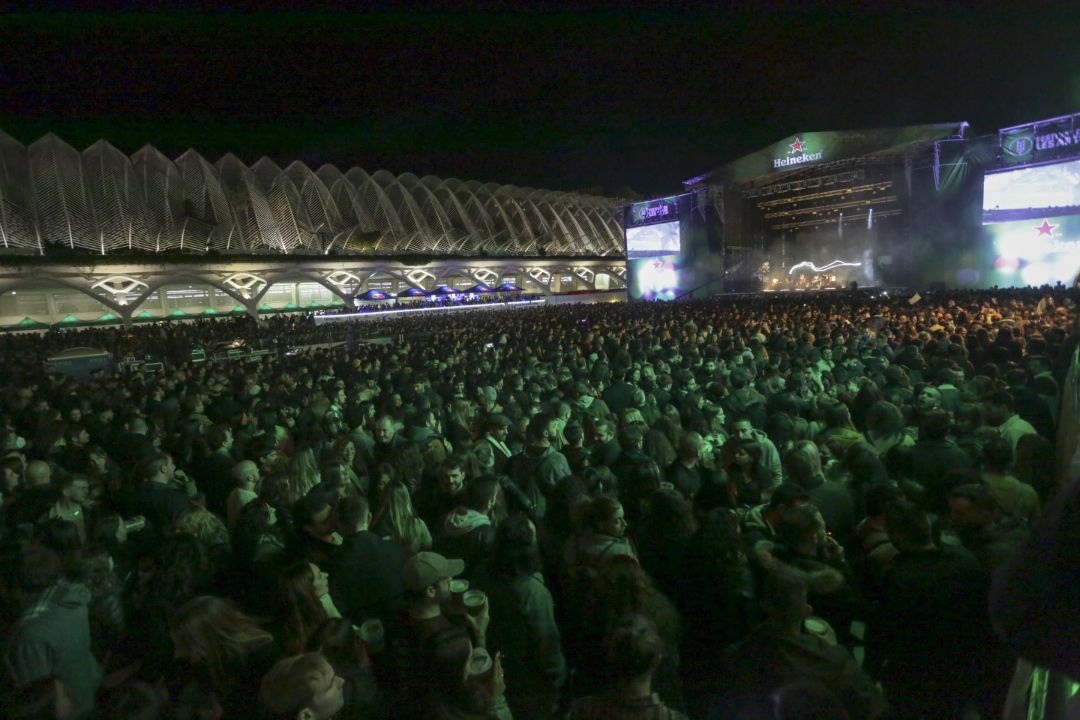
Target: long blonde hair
{"type": "Point", "coordinates": [211, 633]}
{"type": "Point", "coordinates": [204, 525]}
{"type": "Point", "coordinates": [303, 474]}
{"type": "Point", "coordinates": [405, 527]}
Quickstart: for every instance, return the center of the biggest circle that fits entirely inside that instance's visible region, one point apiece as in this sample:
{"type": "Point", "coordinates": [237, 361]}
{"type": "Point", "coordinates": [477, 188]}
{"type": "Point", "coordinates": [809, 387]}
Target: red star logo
{"type": "Point", "coordinates": [1046, 228]}
{"type": "Point", "coordinates": [797, 146]}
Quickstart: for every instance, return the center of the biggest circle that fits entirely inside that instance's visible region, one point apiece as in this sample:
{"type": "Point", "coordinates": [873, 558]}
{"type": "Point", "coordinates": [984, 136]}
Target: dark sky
{"type": "Point", "coordinates": [561, 100]}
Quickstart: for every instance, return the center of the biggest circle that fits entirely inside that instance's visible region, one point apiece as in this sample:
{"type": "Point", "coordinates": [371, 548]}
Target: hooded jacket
{"type": "Point", "coordinates": [51, 637]}
{"type": "Point", "coordinates": [467, 534]}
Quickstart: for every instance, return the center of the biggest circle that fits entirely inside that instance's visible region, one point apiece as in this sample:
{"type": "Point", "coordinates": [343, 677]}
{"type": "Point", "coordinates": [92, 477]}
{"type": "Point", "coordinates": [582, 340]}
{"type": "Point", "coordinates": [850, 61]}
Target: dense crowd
{"type": "Point", "coordinates": [435, 302]}
{"type": "Point", "coordinates": [751, 507]}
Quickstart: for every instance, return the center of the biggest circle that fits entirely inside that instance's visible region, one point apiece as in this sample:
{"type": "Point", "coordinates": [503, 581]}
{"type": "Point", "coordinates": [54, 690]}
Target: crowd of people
{"type": "Point", "coordinates": [751, 507]}
{"type": "Point", "coordinates": [435, 302]}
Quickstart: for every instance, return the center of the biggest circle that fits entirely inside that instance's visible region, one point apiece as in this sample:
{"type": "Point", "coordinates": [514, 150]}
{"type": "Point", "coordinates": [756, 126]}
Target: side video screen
{"type": "Point", "coordinates": [1032, 192]}
{"type": "Point", "coordinates": [652, 240]}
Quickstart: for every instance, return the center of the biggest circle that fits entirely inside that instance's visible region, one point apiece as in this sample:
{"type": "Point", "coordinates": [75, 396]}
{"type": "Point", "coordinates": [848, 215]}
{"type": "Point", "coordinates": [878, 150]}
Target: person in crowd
{"type": "Point", "coordinates": [665, 538]}
{"type": "Point", "coordinates": [931, 591]}
{"type": "Point", "coordinates": [304, 603]}
{"type": "Point", "coordinates": [72, 504]}
{"type": "Point", "coordinates": [540, 466]}
{"type": "Point", "coordinates": [258, 536]}
{"type": "Point", "coordinates": [1001, 414]}
{"type": "Point", "coordinates": [872, 551]}
{"type": "Point", "coordinates": [49, 635]}
{"type": "Point", "coordinates": [610, 590]}
{"type": "Point", "coordinates": [685, 473]}
{"type": "Point", "coordinates": [338, 641]}
{"type": "Point", "coordinates": [634, 654]}
{"type": "Point", "coordinates": [719, 596]}
{"type": "Point", "coordinates": [165, 491]}
{"type": "Point", "coordinates": [397, 518]}
{"type": "Point", "coordinates": [467, 531]}
{"type": "Point", "coordinates": [601, 534]}
{"type": "Point", "coordinates": [245, 477]}
{"type": "Point", "coordinates": [232, 648]}
{"type": "Point", "coordinates": [214, 474]}
{"type": "Point", "coordinates": [746, 480]}
{"type": "Point", "coordinates": [303, 475]}
{"type": "Point", "coordinates": [457, 689]}
{"type": "Point", "coordinates": [523, 623]}
{"type": "Point", "coordinates": [443, 491]}
{"type": "Point", "coordinates": [497, 433]}
{"type": "Point", "coordinates": [604, 450]}
{"type": "Point", "coordinates": [779, 651]}
{"type": "Point", "coordinates": [740, 428]}
{"type": "Point", "coordinates": [809, 552]}
{"type": "Point", "coordinates": [834, 500]}
{"type": "Point", "coordinates": [761, 522]}
{"type": "Point", "coordinates": [577, 455]}
{"type": "Point", "coordinates": [301, 686]}
{"type": "Point", "coordinates": [365, 573]}
{"type": "Point", "coordinates": [1016, 499]}
{"type": "Point", "coordinates": [983, 528]}
{"type": "Point", "coordinates": [315, 520]}
{"type": "Point", "coordinates": [934, 456]}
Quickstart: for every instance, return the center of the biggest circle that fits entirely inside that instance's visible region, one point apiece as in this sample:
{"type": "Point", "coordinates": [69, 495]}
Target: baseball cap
{"type": "Point", "coordinates": [427, 568]}
{"type": "Point", "coordinates": [499, 420]}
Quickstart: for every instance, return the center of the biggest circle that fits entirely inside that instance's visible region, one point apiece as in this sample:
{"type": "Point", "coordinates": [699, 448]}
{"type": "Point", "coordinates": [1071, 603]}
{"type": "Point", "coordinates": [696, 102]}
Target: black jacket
{"type": "Point", "coordinates": [365, 576]}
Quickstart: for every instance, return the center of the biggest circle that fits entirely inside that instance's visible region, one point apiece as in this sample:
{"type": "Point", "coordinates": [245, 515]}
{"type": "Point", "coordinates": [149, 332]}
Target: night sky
{"type": "Point", "coordinates": [602, 101]}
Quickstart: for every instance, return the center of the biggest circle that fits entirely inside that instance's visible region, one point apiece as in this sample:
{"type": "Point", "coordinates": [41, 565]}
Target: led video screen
{"type": "Point", "coordinates": [652, 240]}
{"type": "Point", "coordinates": [1028, 192]}
{"type": "Point", "coordinates": [1032, 218]}
{"type": "Point", "coordinates": [1035, 252]}
{"type": "Point", "coordinates": [654, 278]}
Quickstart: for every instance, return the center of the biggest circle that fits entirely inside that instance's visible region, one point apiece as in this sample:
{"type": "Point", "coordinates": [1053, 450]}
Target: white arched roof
{"type": "Point", "coordinates": [103, 201]}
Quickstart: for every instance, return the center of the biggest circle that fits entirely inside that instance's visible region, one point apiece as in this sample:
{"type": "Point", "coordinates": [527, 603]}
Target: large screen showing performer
{"type": "Point", "coordinates": [652, 240]}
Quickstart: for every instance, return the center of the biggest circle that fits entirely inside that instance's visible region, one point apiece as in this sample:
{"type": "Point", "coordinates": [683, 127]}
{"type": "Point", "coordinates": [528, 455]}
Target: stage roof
{"type": "Point", "coordinates": [804, 150]}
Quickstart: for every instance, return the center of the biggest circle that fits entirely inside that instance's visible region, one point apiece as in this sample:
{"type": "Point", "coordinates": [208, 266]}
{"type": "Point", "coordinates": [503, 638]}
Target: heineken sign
{"type": "Point", "coordinates": [797, 155]}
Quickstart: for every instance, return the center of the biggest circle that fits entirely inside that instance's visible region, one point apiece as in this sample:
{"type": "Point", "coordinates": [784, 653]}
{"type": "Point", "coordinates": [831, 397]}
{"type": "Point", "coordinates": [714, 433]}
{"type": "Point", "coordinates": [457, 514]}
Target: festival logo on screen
{"type": "Point", "coordinates": [654, 210]}
{"type": "Point", "coordinates": [1017, 146]}
{"type": "Point", "coordinates": [798, 154]}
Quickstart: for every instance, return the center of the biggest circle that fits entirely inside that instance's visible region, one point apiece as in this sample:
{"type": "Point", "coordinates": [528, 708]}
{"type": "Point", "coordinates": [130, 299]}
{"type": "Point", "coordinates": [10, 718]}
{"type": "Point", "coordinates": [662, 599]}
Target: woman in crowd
{"type": "Point", "coordinates": [232, 648]}
{"type": "Point", "coordinates": [601, 534]}
{"type": "Point", "coordinates": [339, 642]}
{"type": "Point", "coordinates": [745, 476]}
{"type": "Point", "coordinates": [210, 531]}
{"type": "Point", "coordinates": [399, 520]}
{"type": "Point", "coordinates": [303, 474]}
{"type": "Point", "coordinates": [304, 604]}
{"type": "Point", "coordinates": [355, 475]}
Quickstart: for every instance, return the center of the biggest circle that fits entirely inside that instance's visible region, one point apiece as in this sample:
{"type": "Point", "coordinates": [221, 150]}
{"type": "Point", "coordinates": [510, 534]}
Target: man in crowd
{"type": "Point", "coordinates": [50, 634]}
{"type": "Point", "coordinates": [302, 687]}
{"type": "Point", "coordinates": [365, 572]}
